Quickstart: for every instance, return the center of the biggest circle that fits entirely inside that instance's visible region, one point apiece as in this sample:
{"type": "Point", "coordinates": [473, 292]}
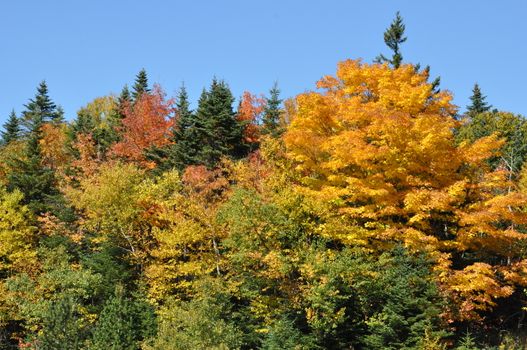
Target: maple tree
{"type": "Point", "coordinates": [377, 148]}
{"type": "Point", "coordinates": [250, 112]}
{"type": "Point", "coordinates": [147, 123]}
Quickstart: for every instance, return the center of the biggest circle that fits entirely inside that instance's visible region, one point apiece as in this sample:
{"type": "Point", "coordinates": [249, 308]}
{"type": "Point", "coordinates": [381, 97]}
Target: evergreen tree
{"type": "Point", "coordinates": [61, 329]}
{"type": "Point", "coordinates": [140, 86]}
{"type": "Point", "coordinates": [29, 175]}
{"type": "Point", "coordinates": [185, 145]}
{"type": "Point", "coordinates": [115, 327]}
{"type": "Point", "coordinates": [40, 110]}
{"type": "Point", "coordinates": [12, 129]}
{"type": "Point", "coordinates": [60, 116]}
{"type": "Point", "coordinates": [271, 118]}
{"type": "Point", "coordinates": [123, 101]}
{"type": "Point", "coordinates": [218, 131]}
{"type": "Point", "coordinates": [125, 96]}
{"type": "Point", "coordinates": [478, 105]}
{"type": "Point", "coordinates": [122, 323]}
{"type": "Point", "coordinates": [393, 37]}
{"type": "Point", "coordinates": [115, 120]}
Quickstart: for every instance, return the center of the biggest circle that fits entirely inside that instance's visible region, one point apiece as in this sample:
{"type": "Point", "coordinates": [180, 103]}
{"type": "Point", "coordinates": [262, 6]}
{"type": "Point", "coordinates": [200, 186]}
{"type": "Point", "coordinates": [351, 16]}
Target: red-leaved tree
{"type": "Point", "coordinates": [147, 124]}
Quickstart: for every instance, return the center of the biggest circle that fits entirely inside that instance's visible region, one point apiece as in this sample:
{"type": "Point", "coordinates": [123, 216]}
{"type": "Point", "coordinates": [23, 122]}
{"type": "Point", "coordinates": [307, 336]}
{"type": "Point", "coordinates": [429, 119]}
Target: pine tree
{"type": "Point", "coordinates": [272, 112]}
{"type": "Point", "coordinates": [218, 130]}
{"type": "Point", "coordinates": [393, 37]}
{"type": "Point", "coordinates": [12, 129]}
{"type": "Point", "coordinates": [141, 84]}
{"type": "Point", "coordinates": [478, 105]}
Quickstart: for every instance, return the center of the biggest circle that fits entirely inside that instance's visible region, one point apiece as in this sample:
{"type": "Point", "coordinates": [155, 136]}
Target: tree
{"type": "Point", "coordinates": [17, 234]}
{"type": "Point", "coordinates": [147, 124]}
{"type": "Point", "coordinates": [219, 132]}
{"type": "Point", "coordinates": [510, 127]}
{"type": "Point", "coordinates": [249, 115]}
{"type": "Point", "coordinates": [393, 37]}
{"type": "Point", "coordinates": [202, 323]}
{"type": "Point", "coordinates": [108, 202]}
{"type": "Point", "coordinates": [100, 120]}
{"type": "Point", "coordinates": [29, 174]}
{"type": "Point", "coordinates": [12, 129]}
{"type": "Point", "coordinates": [184, 139]}
{"type": "Point", "coordinates": [140, 86]}
{"type": "Point", "coordinates": [62, 327]}
{"type": "Point", "coordinates": [124, 97]}
{"type": "Point", "coordinates": [478, 104]}
{"type": "Point", "coordinates": [272, 113]}
{"type": "Point", "coordinates": [120, 324]}
{"type": "Point", "coordinates": [40, 110]}
{"type": "Point", "coordinates": [377, 147]}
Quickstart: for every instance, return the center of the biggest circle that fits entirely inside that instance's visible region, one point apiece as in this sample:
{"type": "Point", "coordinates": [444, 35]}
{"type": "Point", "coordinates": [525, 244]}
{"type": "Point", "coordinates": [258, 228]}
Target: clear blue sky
{"type": "Point", "coordinates": [90, 48]}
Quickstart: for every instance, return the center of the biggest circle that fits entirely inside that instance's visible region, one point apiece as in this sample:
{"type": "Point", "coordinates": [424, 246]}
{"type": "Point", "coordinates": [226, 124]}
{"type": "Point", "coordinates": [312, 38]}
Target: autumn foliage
{"type": "Point", "coordinates": [361, 215]}
{"type": "Point", "coordinates": [377, 147]}
{"type": "Point", "coordinates": [147, 123]}
{"type": "Point", "coordinates": [250, 112]}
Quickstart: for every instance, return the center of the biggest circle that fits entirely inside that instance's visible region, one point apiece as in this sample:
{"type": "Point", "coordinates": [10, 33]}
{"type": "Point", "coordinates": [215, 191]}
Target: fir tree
{"type": "Point", "coordinates": [12, 129]}
{"type": "Point", "coordinates": [218, 131]}
{"type": "Point", "coordinates": [478, 105]}
{"type": "Point", "coordinates": [140, 86]}
{"type": "Point", "coordinates": [394, 37]}
{"type": "Point", "coordinates": [271, 118]}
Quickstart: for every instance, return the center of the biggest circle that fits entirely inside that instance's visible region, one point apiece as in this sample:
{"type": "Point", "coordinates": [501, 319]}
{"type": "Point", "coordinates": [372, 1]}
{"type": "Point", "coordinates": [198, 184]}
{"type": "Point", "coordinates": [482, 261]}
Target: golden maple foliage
{"type": "Point", "coordinates": [377, 145]}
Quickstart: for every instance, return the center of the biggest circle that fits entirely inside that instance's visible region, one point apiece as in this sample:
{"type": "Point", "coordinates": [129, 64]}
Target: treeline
{"type": "Point", "coordinates": [368, 214]}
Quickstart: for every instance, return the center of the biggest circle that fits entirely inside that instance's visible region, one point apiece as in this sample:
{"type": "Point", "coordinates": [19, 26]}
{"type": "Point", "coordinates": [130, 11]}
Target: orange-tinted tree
{"type": "Point", "coordinates": [376, 152]}
{"type": "Point", "coordinates": [147, 124]}
{"type": "Point", "coordinates": [250, 113]}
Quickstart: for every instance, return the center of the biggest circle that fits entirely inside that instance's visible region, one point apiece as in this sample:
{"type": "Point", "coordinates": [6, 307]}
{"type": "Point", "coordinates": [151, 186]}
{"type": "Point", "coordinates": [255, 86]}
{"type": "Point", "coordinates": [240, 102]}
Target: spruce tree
{"type": "Point", "coordinates": [185, 136]}
{"type": "Point", "coordinates": [394, 37]}
{"type": "Point", "coordinates": [123, 101]}
{"type": "Point", "coordinates": [219, 133]}
{"type": "Point", "coordinates": [12, 129]}
{"type": "Point", "coordinates": [36, 181]}
{"type": "Point", "coordinates": [125, 96]}
{"type": "Point", "coordinates": [272, 111]}
{"type": "Point", "coordinates": [478, 104]}
{"type": "Point", "coordinates": [40, 110]}
{"type": "Point", "coordinates": [141, 84]}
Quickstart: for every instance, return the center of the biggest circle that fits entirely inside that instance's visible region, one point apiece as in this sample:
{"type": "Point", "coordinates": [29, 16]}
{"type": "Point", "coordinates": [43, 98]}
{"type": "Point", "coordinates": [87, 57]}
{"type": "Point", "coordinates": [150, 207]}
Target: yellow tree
{"type": "Point", "coordinates": [17, 235]}
{"type": "Point", "coordinates": [376, 151]}
{"type": "Point", "coordinates": [182, 212]}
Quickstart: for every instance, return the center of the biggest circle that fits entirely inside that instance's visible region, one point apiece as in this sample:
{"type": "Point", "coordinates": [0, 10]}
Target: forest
{"type": "Point", "coordinates": [366, 213]}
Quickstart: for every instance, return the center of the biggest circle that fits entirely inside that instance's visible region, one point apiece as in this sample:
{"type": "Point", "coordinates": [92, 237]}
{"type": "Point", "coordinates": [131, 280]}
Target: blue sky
{"type": "Point", "coordinates": [85, 49]}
